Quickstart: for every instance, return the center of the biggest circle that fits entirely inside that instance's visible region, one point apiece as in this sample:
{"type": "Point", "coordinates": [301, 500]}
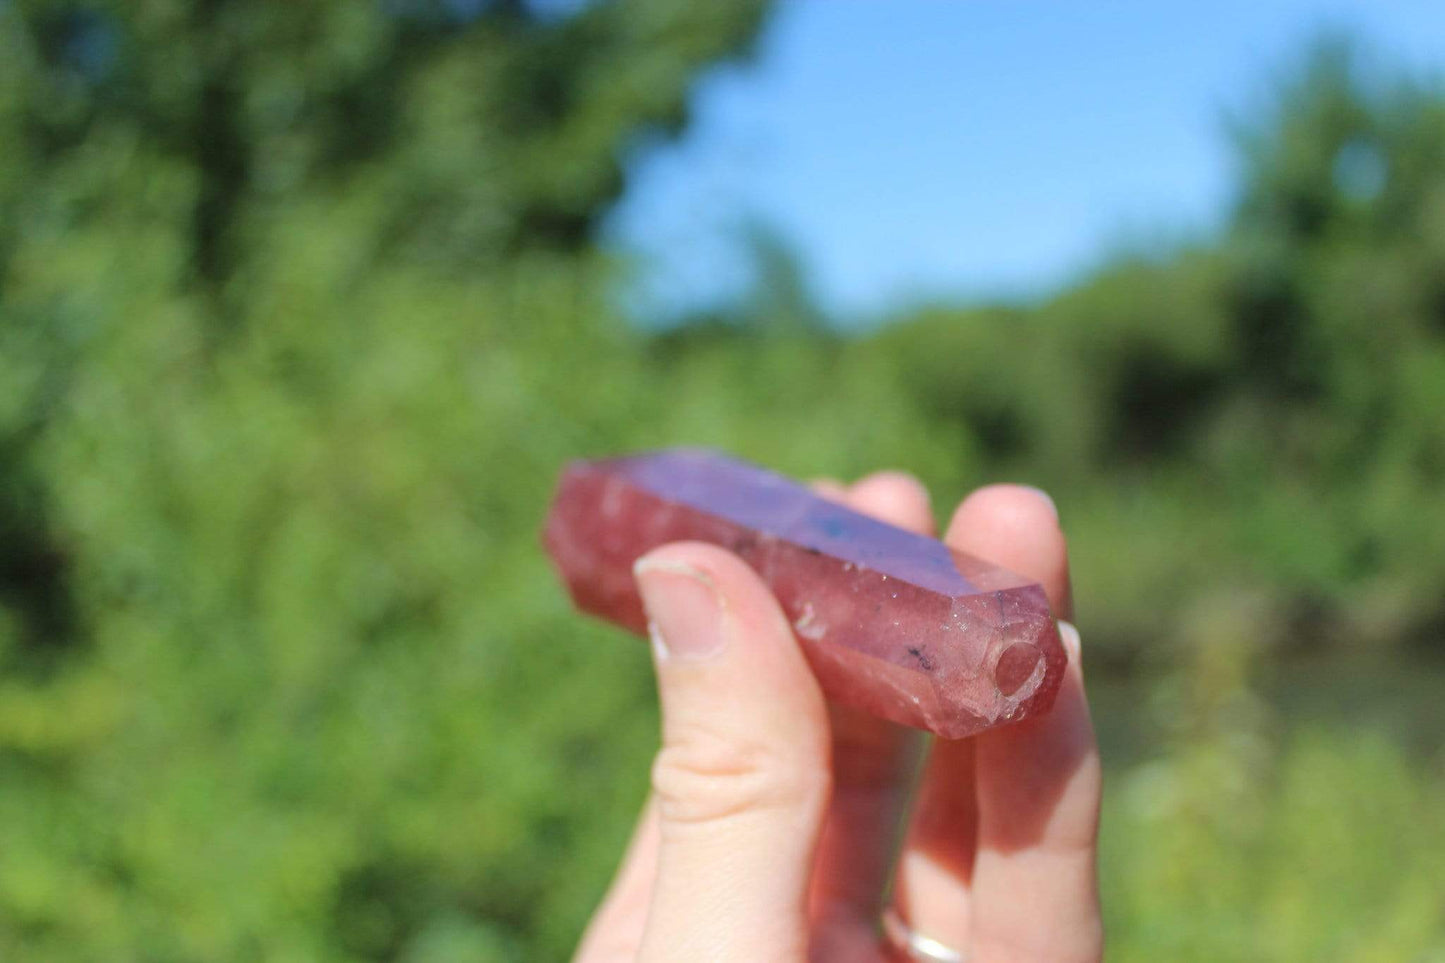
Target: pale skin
{"type": "Point", "coordinates": [772, 829]}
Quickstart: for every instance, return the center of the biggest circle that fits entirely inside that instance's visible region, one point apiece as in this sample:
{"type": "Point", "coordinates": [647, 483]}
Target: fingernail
{"type": "Point", "coordinates": [1070, 637]}
{"type": "Point", "coordinates": [684, 612]}
{"type": "Point", "coordinates": [1044, 496]}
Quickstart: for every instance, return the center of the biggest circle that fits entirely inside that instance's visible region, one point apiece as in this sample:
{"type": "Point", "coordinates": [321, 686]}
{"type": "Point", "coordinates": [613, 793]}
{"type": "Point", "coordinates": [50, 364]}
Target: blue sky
{"type": "Point", "coordinates": [914, 149]}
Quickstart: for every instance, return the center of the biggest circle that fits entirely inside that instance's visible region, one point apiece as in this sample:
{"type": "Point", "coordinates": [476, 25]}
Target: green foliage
{"type": "Point", "coordinates": [1300, 857]}
{"type": "Point", "coordinates": [300, 315]}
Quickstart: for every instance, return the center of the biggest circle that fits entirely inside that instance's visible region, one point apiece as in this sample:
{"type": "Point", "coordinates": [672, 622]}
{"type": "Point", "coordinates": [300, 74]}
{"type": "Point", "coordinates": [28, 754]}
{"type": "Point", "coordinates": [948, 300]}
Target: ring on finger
{"type": "Point", "coordinates": [914, 945]}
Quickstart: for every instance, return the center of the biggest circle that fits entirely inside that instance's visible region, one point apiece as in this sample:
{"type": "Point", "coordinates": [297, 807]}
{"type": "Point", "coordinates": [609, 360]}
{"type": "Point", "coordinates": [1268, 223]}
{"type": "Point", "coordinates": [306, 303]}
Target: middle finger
{"type": "Point", "coordinates": [872, 759]}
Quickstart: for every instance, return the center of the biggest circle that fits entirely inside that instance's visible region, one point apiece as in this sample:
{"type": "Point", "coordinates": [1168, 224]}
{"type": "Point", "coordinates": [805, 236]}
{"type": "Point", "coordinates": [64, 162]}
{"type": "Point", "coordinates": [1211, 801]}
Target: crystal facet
{"type": "Point", "coordinates": [891, 622]}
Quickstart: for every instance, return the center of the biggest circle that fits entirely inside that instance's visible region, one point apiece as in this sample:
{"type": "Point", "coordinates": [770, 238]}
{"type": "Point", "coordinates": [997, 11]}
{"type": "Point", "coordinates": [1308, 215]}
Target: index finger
{"type": "Point", "coordinates": [1036, 783]}
{"type": "Point", "coordinates": [988, 805]}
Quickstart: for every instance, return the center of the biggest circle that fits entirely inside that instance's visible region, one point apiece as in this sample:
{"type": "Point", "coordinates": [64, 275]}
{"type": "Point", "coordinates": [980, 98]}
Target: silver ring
{"type": "Point", "coordinates": [917, 947]}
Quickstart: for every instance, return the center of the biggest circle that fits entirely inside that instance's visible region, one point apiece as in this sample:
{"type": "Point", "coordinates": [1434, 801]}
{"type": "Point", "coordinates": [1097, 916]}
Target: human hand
{"type": "Point", "coordinates": [771, 828]}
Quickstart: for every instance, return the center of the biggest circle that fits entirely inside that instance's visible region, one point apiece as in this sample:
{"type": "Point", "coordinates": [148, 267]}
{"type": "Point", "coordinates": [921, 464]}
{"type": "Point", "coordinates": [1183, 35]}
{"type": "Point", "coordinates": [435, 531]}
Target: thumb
{"type": "Point", "coordinates": [741, 782]}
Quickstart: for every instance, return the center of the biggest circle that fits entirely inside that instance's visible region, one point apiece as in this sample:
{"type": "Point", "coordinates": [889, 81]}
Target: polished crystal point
{"type": "Point", "coordinates": [894, 623]}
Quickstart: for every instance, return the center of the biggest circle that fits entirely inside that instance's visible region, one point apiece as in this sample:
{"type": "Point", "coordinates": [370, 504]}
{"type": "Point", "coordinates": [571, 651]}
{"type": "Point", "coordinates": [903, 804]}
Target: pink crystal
{"type": "Point", "coordinates": [894, 623]}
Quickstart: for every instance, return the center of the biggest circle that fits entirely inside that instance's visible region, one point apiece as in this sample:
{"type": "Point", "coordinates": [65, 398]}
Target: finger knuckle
{"type": "Point", "coordinates": [703, 776]}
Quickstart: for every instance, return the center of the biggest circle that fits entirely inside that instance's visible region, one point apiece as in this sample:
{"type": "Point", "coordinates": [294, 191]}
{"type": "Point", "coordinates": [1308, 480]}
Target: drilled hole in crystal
{"type": "Point", "coordinates": [1016, 667]}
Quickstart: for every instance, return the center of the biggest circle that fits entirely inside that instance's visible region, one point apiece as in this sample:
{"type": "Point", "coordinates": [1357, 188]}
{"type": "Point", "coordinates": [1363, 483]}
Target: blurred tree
{"type": "Point", "coordinates": [175, 148]}
{"type": "Point", "coordinates": [496, 126]}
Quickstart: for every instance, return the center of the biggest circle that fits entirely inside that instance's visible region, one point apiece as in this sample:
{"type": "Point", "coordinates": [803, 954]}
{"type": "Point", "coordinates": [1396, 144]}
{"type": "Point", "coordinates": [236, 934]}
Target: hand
{"type": "Point", "coordinates": [770, 831]}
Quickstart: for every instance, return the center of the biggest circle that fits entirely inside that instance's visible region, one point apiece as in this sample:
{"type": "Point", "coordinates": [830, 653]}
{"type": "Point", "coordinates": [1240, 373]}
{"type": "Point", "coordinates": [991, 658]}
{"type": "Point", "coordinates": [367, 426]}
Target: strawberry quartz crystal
{"type": "Point", "coordinates": [893, 623]}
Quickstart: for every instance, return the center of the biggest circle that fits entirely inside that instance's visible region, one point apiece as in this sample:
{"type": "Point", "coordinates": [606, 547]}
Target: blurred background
{"type": "Point", "coordinates": [303, 306]}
